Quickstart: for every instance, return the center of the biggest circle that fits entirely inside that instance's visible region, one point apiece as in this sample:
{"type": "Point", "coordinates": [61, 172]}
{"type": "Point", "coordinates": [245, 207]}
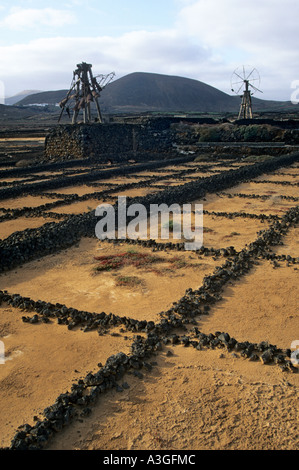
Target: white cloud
{"type": "Point", "coordinates": [27, 18]}
{"type": "Point", "coordinates": [51, 61]}
{"type": "Point", "coordinates": [263, 33]}
{"type": "Point", "coordinates": [222, 23]}
{"type": "Point", "coordinates": [209, 39]}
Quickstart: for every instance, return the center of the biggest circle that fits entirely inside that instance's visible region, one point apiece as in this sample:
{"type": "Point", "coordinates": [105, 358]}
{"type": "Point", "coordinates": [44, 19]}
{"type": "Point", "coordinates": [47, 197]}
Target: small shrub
{"type": "Point", "coordinates": [202, 158]}
{"type": "Point", "coordinates": [129, 258]}
{"type": "Point", "coordinates": [128, 281]}
{"type": "Point", "coordinates": [177, 263]}
{"type": "Point", "coordinates": [257, 158]}
{"type": "Point", "coordinates": [210, 134]}
{"type": "Point", "coordinates": [140, 261]}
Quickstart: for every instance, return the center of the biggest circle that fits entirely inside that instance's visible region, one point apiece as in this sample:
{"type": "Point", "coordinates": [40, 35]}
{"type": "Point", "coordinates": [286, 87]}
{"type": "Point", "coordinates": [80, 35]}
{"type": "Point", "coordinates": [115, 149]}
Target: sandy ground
{"type": "Point", "coordinates": [266, 189]}
{"type": "Point", "coordinates": [22, 139]}
{"type": "Point", "coordinates": [172, 182]}
{"type": "Point", "coordinates": [290, 177]}
{"type": "Point", "coordinates": [269, 206]}
{"type": "Point", "coordinates": [255, 309]}
{"type": "Point", "coordinates": [221, 232]}
{"type": "Point", "coordinates": [290, 244]}
{"type": "Point", "coordinates": [147, 174]}
{"type": "Point", "coordinates": [121, 180]}
{"type": "Point", "coordinates": [191, 400]}
{"type": "Point", "coordinates": [49, 355]}
{"type": "Point", "coordinates": [136, 192]}
{"type": "Point", "coordinates": [69, 278]}
{"type": "Point", "coordinates": [14, 179]}
{"type": "Point", "coordinates": [203, 400]}
{"type": "Point", "coordinates": [78, 207]}
{"type": "Point", "coordinates": [27, 201]}
{"type": "Point", "coordinates": [79, 190]}
{"type": "Point", "coordinates": [22, 223]}
{"type": "Point", "coordinates": [48, 173]}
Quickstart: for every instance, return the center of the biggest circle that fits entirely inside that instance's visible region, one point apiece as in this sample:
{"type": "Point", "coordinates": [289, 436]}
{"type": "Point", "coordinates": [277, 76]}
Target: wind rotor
{"type": "Point", "coordinates": [249, 80]}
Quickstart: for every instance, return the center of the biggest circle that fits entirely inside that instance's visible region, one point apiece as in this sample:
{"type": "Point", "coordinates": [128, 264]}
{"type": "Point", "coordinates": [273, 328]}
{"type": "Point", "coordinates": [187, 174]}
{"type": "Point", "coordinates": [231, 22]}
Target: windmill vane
{"type": "Point", "coordinates": [249, 81]}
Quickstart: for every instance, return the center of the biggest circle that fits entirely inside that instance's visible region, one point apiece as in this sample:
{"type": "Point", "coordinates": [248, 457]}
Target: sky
{"type": "Point", "coordinates": [42, 41]}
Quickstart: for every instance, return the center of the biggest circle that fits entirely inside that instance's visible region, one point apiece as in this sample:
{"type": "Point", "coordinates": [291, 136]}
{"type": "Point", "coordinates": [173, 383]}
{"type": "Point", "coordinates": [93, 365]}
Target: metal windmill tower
{"type": "Point", "coordinates": [251, 80]}
{"type": "Point", "coordinates": [84, 89]}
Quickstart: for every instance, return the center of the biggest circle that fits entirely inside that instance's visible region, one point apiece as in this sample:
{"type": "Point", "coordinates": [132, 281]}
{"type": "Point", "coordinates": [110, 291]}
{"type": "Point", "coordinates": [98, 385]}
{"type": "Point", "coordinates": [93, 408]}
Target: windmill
{"type": "Point", "coordinates": [84, 89]}
{"type": "Point", "coordinates": [251, 80]}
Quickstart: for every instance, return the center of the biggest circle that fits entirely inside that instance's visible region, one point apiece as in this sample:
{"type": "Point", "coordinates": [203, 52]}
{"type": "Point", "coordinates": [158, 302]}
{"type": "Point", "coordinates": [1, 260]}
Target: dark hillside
{"type": "Point", "coordinates": [142, 92]}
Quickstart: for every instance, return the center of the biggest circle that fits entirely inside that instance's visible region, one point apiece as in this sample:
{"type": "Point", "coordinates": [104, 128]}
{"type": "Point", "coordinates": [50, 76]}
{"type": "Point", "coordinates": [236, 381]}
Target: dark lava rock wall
{"type": "Point", "coordinates": [106, 141]}
{"type": "Point", "coordinates": [150, 139]}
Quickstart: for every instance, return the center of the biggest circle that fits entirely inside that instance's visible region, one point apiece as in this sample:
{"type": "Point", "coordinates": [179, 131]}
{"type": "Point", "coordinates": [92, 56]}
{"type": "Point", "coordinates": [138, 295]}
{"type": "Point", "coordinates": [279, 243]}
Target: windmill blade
{"type": "Point", "coordinates": [110, 77]}
{"type": "Point", "coordinates": [104, 80]}
{"type": "Point", "coordinates": [239, 76]}
{"type": "Point", "coordinates": [239, 89]}
{"type": "Point", "coordinates": [238, 82]}
{"type": "Point", "coordinates": [238, 85]}
{"type": "Point", "coordinates": [254, 80]}
{"type": "Point", "coordinates": [255, 88]}
{"type": "Point", "coordinates": [253, 70]}
{"type": "Point", "coordinates": [99, 79]}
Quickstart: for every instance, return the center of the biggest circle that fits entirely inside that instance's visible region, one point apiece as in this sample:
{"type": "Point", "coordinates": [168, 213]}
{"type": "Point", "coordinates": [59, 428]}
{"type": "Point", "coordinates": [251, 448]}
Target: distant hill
{"type": "Point", "coordinates": [49, 97]}
{"type": "Point", "coordinates": [11, 115]}
{"type": "Point", "coordinates": [141, 92]}
{"type": "Point", "coordinates": [18, 112]}
{"type": "Point", "coordinates": [19, 96]}
{"type": "Point", "coordinates": [154, 92]}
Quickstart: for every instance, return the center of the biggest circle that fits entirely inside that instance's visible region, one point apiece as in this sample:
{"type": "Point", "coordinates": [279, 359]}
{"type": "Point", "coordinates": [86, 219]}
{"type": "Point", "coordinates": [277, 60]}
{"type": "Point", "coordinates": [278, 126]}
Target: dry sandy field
{"type": "Point", "coordinates": [131, 345]}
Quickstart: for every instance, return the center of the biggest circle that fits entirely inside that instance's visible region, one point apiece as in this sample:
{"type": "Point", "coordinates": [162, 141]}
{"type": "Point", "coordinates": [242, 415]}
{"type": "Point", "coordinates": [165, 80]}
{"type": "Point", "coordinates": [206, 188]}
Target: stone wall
{"type": "Point", "coordinates": [117, 141]}
{"type": "Point", "coordinates": [159, 138]}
